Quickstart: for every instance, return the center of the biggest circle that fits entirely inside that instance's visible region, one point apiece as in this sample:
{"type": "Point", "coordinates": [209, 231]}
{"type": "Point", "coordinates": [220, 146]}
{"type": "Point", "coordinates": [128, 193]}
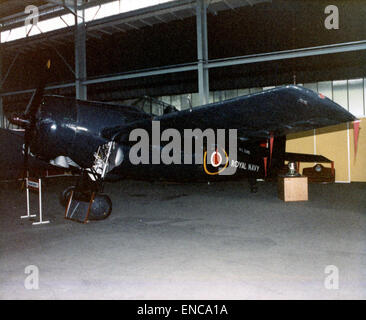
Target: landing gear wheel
{"type": "Point", "coordinates": [101, 207]}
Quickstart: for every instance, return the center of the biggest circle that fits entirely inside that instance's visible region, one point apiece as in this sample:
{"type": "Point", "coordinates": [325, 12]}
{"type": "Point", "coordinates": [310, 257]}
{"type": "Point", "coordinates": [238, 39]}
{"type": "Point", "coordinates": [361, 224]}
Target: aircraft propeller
{"type": "Point", "coordinates": [27, 120]}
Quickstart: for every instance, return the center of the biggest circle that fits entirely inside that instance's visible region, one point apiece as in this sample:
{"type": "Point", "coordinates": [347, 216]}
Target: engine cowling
{"type": "Point", "coordinates": [72, 129]}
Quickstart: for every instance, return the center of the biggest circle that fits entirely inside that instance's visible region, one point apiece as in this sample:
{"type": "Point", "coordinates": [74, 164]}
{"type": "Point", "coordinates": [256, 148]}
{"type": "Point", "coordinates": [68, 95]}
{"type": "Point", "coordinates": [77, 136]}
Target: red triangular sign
{"type": "Point", "coordinates": [265, 166]}
{"type": "Point", "coordinates": [356, 130]}
{"type": "Point", "coordinates": [270, 148]}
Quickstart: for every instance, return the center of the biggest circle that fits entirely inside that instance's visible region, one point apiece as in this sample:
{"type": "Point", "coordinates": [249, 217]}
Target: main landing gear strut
{"type": "Point", "coordinates": [89, 189]}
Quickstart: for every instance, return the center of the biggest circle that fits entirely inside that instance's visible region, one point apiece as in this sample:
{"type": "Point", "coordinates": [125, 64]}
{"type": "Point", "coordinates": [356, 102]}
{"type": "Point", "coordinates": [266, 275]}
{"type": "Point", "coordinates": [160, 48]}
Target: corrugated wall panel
{"type": "Point", "coordinates": [325, 88]}
{"type": "Point", "coordinates": [356, 96]}
{"type": "Point", "coordinates": [358, 163]}
{"type": "Point", "coordinates": [340, 94]}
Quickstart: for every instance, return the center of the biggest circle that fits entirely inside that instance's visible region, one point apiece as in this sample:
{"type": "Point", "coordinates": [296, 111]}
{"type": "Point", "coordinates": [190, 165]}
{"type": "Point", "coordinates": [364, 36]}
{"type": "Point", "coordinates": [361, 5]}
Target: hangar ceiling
{"type": "Point", "coordinates": [165, 12]}
{"type": "Point", "coordinates": [140, 41]}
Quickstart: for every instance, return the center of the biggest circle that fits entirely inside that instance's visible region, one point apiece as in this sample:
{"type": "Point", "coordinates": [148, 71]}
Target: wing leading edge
{"type": "Point", "coordinates": [274, 112]}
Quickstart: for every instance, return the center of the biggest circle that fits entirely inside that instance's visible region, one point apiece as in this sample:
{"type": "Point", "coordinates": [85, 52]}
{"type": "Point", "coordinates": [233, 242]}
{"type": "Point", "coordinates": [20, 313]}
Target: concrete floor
{"type": "Point", "coordinates": [197, 241]}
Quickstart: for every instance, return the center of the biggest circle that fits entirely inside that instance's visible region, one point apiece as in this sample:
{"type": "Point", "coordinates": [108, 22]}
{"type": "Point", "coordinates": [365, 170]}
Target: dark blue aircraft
{"type": "Point", "coordinates": [94, 138]}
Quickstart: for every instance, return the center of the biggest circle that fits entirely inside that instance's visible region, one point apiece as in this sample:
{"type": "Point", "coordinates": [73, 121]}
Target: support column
{"type": "Point", "coordinates": [2, 124]}
{"type": "Point", "coordinates": [202, 52]}
{"type": "Point", "coordinates": [80, 52]}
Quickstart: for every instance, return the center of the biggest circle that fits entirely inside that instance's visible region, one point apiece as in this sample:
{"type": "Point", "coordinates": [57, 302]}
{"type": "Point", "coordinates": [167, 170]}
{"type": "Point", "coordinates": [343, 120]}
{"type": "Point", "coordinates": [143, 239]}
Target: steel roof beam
{"type": "Point", "coordinates": [228, 4]}
{"type": "Point", "coordinates": [100, 29]}
{"type": "Point", "coordinates": [80, 53]}
{"type": "Point", "coordinates": [202, 52]}
{"type": "Point", "coordinates": [142, 14]}
{"type": "Point", "coordinates": [2, 118]}
{"type": "Point", "coordinates": [256, 58]}
{"type": "Point", "coordinates": [118, 28]}
{"type": "Point", "coordinates": [143, 73]}
{"type": "Point", "coordinates": [289, 54]}
{"type": "Point", "coordinates": [67, 4]}
{"type": "Point", "coordinates": [64, 61]}
{"type": "Point", "coordinates": [145, 22]}
{"type": "Point", "coordinates": [19, 19]}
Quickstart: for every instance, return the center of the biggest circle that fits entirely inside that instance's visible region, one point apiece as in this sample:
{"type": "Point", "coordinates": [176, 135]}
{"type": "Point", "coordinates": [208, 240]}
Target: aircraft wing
{"type": "Point", "coordinates": [278, 112]}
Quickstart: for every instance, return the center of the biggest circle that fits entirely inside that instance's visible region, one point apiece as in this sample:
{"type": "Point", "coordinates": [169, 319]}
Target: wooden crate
{"type": "Point", "coordinates": [293, 188]}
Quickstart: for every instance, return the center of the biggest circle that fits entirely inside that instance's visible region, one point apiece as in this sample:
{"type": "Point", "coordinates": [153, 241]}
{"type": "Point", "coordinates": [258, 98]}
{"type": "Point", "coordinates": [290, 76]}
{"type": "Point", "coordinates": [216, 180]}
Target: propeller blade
{"type": "Point", "coordinates": [38, 94]}
{"type": "Point", "coordinates": [28, 121]}
{"type": "Point", "coordinates": [25, 161]}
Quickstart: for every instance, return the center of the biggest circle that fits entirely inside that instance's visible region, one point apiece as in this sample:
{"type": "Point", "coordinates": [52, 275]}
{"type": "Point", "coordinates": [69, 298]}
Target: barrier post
{"type": "Point", "coordinates": [28, 206]}
{"type": "Point", "coordinates": [33, 185]}
{"type": "Point", "coordinates": [40, 205]}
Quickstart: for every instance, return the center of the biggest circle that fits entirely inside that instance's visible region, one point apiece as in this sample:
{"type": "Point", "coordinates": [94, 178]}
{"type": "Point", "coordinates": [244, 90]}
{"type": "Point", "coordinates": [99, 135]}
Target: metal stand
{"type": "Point", "coordinates": [37, 187]}
{"type": "Point", "coordinates": [78, 208]}
{"type": "Point", "coordinates": [28, 208]}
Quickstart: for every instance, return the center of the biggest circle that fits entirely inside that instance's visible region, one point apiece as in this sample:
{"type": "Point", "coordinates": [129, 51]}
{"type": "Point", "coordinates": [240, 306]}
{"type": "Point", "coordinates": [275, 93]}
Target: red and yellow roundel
{"type": "Point", "coordinates": [216, 161]}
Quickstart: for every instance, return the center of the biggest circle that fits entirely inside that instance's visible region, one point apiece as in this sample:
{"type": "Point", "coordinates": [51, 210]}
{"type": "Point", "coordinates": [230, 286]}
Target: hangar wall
{"type": "Point", "coordinates": [336, 143]}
